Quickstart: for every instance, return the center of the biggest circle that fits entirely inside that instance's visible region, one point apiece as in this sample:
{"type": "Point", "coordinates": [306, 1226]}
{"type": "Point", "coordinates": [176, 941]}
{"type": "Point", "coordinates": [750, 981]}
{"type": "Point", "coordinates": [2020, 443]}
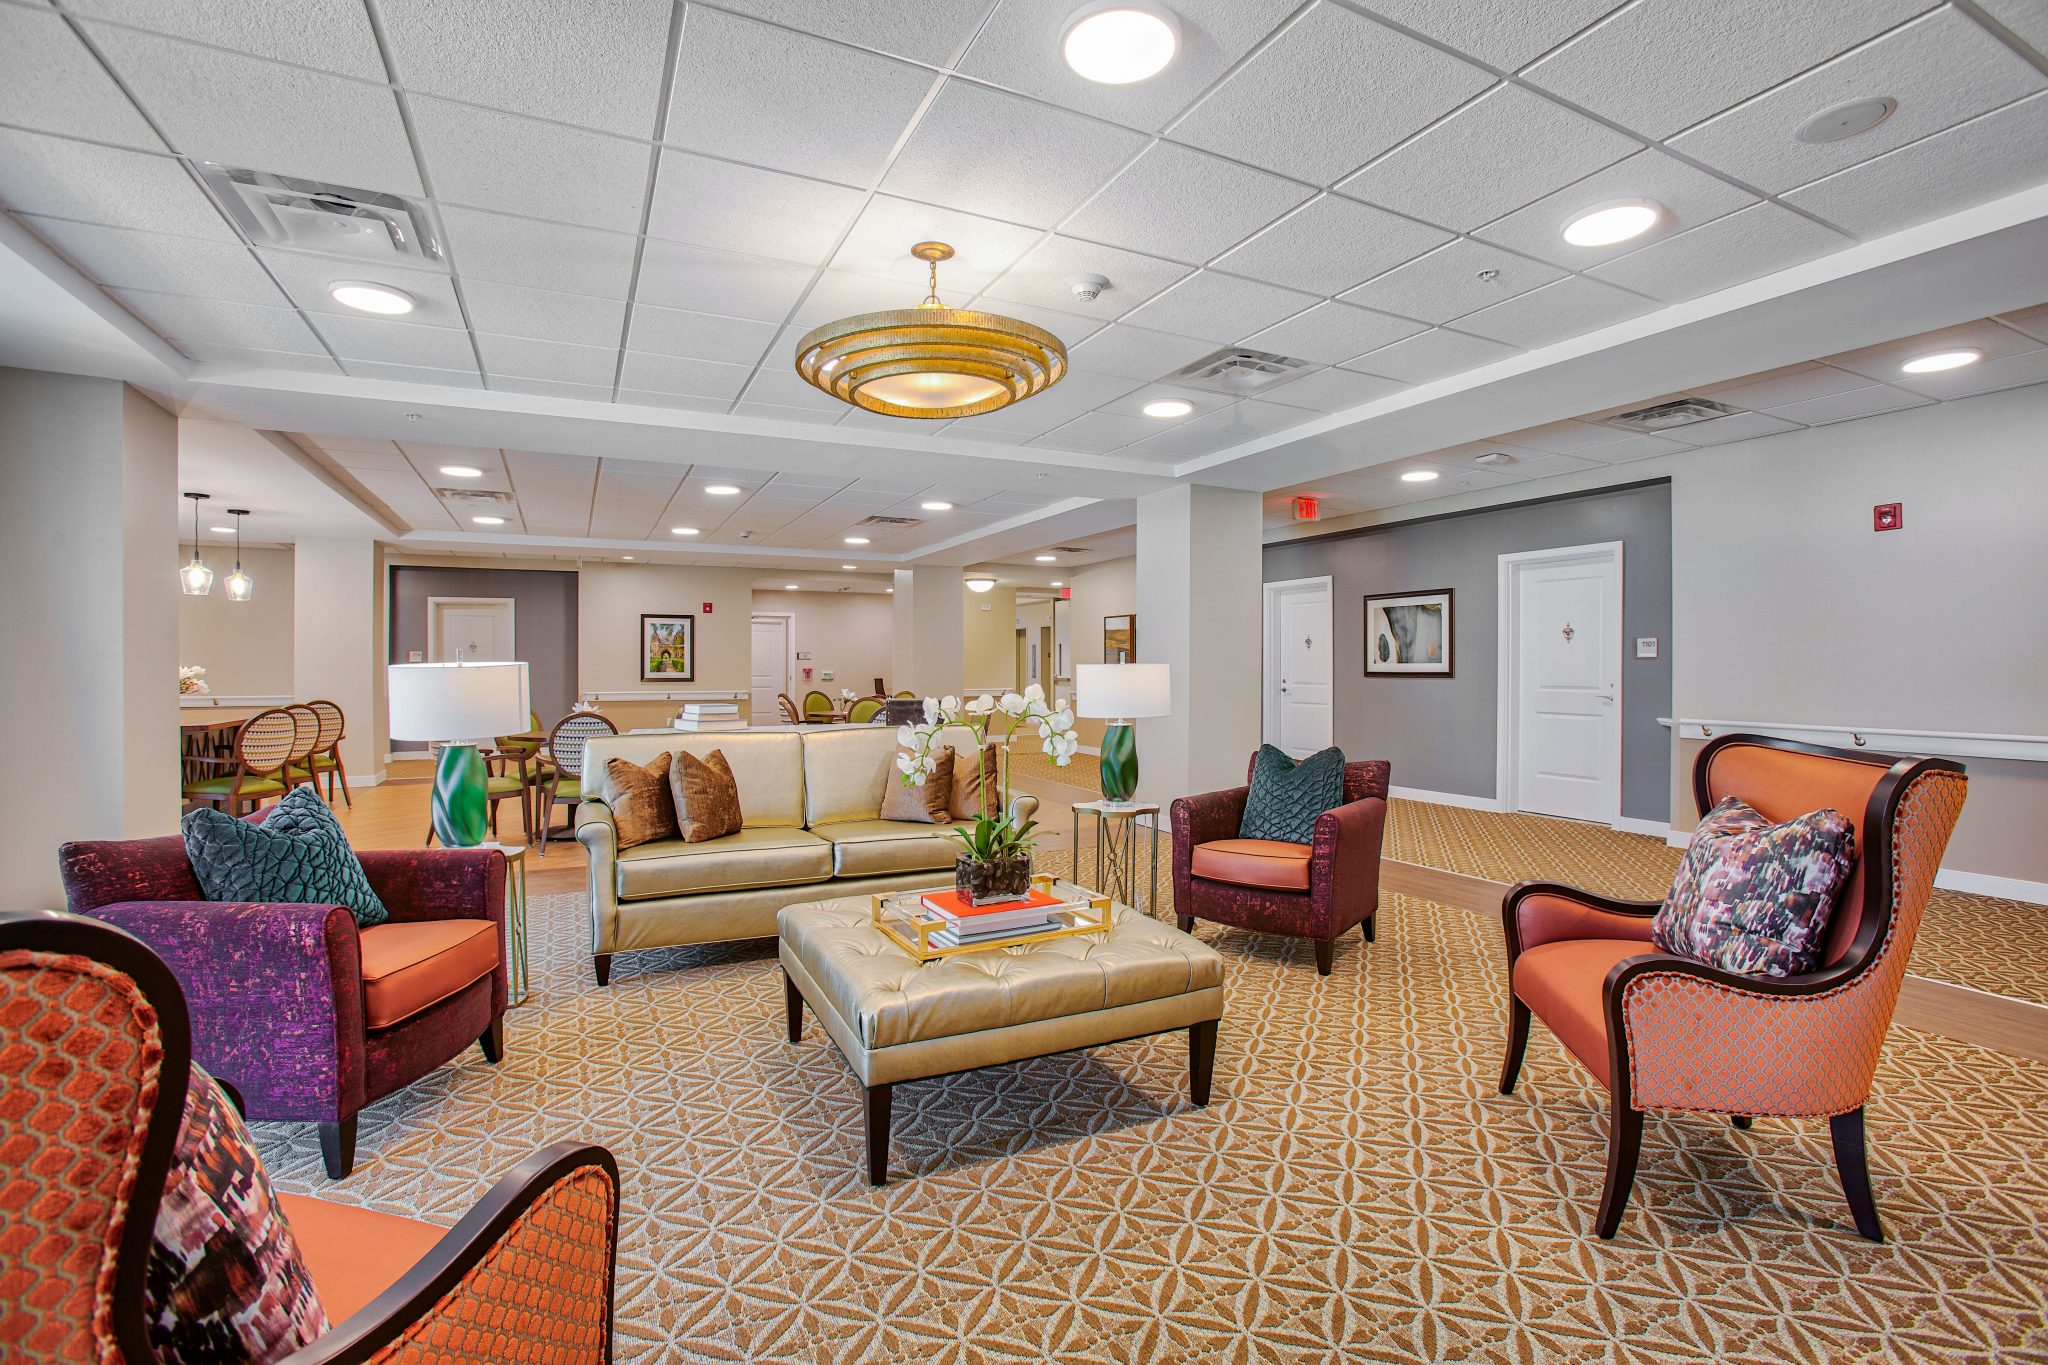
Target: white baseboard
{"type": "Point", "coordinates": [1677, 838]}
{"type": "Point", "coordinates": [1656, 829]}
{"type": "Point", "coordinates": [1092, 750]}
{"type": "Point", "coordinates": [1983, 884]}
{"type": "Point", "coordinates": [1459, 799]}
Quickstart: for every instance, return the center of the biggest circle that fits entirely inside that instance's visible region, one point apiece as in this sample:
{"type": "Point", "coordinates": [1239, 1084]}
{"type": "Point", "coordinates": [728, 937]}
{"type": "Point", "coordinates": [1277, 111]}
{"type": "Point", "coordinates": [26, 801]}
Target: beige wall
{"type": "Point", "coordinates": [245, 647]}
{"type": "Point", "coordinates": [610, 601]}
{"type": "Point", "coordinates": [930, 618]}
{"type": "Point", "coordinates": [849, 634]}
{"type": "Point", "coordinates": [988, 659]}
{"type": "Point", "coordinates": [339, 655]}
{"type": "Point", "coordinates": [1106, 589]}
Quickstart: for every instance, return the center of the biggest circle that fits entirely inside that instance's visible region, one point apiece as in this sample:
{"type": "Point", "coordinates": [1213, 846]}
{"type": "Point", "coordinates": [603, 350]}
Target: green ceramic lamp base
{"type": "Point", "coordinates": [459, 805]}
{"type": "Point", "coordinates": [1120, 762]}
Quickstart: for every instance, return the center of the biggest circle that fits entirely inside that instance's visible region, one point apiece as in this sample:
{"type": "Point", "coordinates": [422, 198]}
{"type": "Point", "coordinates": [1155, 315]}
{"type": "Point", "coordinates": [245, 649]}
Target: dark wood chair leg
{"type": "Point", "coordinates": [1326, 955]}
{"type": "Point", "coordinates": [493, 1041]}
{"type": "Point", "coordinates": [603, 964]}
{"type": "Point", "coordinates": [1624, 1145]}
{"type": "Point", "coordinates": [793, 1006]}
{"type": "Point", "coordinates": [1371, 927]}
{"type": "Point", "coordinates": [1185, 923]}
{"type": "Point", "coordinates": [339, 773]}
{"type": "Point", "coordinates": [878, 1134]}
{"type": "Point", "coordinates": [1853, 1164]}
{"type": "Point", "coordinates": [1518, 1044]}
{"type": "Point", "coordinates": [1741, 1120]}
{"type": "Point", "coordinates": [546, 801]}
{"type": "Point", "coordinates": [1201, 1060]}
{"type": "Point", "coordinates": [338, 1147]}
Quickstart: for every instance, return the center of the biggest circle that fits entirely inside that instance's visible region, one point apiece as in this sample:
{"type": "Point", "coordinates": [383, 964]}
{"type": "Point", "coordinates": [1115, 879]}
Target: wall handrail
{"type": "Point", "coordinates": [1882, 738]}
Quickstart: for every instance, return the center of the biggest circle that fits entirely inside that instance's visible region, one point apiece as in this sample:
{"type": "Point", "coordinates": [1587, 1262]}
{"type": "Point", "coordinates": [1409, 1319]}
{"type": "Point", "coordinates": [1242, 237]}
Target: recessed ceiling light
{"type": "Point", "coordinates": [1420, 476]}
{"type": "Point", "coordinates": [1046, 559]}
{"type": "Point", "coordinates": [1057, 584]}
{"type": "Point", "coordinates": [222, 530]}
{"type": "Point", "coordinates": [720, 490]}
{"type": "Point", "coordinates": [888, 590]}
{"type": "Point", "coordinates": [847, 567]}
{"type": "Point", "coordinates": [626, 557]}
{"type": "Point", "coordinates": [1611, 223]}
{"type": "Point", "coordinates": [1168, 407]}
{"type": "Point", "coordinates": [488, 521]}
{"type": "Point", "coordinates": [1118, 42]}
{"type": "Point", "coordinates": [856, 540]}
{"type": "Point", "coordinates": [366, 297]}
{"type": "Point", "coordinates": [936, 506]}
{"type": "Point", "coordinates": [462, 471]}
{"type": "Point", "coordinates": [789, 587]}
{"type": "Point", "coordinates": [684, 531]}
{"type": "Point", "coordinates": [1941, 360]}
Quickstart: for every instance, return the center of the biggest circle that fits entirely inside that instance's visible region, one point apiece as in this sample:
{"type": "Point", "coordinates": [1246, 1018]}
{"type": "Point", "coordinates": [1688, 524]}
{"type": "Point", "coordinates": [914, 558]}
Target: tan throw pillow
{"type": "Point", "coordinates": [931, 804]}
{"type": "Point", "coordinates": [707, 799]}
{"type": "Point", "coordinates": [969, 778]}
{"type": "Point", "coordinates": [641, 805]}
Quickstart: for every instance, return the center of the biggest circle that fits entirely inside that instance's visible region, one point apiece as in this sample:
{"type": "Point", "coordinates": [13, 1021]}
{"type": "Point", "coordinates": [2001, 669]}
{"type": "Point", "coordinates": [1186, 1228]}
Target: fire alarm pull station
{"type": "Point", "coordinates": [1887, 516]}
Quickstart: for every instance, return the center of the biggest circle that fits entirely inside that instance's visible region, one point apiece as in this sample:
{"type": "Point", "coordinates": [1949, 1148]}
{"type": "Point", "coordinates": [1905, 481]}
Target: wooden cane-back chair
{"type": "Point", "coordinates": [565, 749]}
{"type": "Point", "coordinates": [298, 766]}
{"type": "Point", "coordinates": [326, 757]}
{"type": "Point", "coordinates": [865, 710]}
{"type": "Point", "coordinates": [255, 766]}
{"type": "Point", "coordinates": [789, 711]}
{"type": "Point", "coordinates": [818, 708]}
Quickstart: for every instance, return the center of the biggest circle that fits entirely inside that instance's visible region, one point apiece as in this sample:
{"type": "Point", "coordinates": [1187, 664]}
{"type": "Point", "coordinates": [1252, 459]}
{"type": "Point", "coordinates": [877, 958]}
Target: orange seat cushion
{"type": "Point", "coordinates": [407, 967]}
{"type": "Point", "coordinates": [354, 1254]}
{"type": "Point", "coordinates": [1253, 862]}
{"type": "Point", "coordinates": [1561, 984]}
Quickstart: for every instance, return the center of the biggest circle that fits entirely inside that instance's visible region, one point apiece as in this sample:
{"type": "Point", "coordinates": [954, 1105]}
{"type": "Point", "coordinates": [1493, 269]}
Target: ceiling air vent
{"type": "Point", "coordinates": [1071, 550]}
{"type": "Point", "coordinates": [1679, 412]}
{"type": "Point", "coordinates": [334, 220]}
{"type": "Point", "coordinates": [479, 496]}
{"type": "Point", "coordinates": [889, 521]}
{"type": "Point", "coordinates": [1239, 372]}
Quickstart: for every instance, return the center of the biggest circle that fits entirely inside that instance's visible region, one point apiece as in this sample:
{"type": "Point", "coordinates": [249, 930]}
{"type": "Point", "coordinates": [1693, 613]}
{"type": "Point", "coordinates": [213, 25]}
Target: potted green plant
{"type": "Point", "coordinates": [995, 859]}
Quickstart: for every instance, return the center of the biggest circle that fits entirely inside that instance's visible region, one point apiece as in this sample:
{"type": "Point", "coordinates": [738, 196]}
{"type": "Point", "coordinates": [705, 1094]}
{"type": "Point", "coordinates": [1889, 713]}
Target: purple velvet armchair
{"type": "Point", "coordinates": [1315, 890]}
{"type": "Point", "coordinates": [308, 1017]}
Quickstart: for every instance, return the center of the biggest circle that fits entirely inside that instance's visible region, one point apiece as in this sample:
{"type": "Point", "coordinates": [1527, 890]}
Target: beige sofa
{"type": "Point", "coordinates": [810, 800]}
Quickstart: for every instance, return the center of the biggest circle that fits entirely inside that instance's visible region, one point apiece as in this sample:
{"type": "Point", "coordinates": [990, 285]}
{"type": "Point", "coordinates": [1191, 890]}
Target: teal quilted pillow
{"type": "Point", "coordinates": [297, 855]}
{"type": "Point", "coordinates": [1287, 797]}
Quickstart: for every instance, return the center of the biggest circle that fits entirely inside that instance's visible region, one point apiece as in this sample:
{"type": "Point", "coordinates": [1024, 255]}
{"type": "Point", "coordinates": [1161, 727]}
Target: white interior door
{"type": "Point", "coordinates": [770, 674]}
{"type": "Point", "coordinates": [1299, 705]}
{"type": "Point", "coordinates": [470, 630]}
{"type": "Point", "coordinates": [1566, 655]}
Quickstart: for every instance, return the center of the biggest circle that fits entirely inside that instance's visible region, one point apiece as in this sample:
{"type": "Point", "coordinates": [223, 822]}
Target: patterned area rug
{"type": "Point", "coordinates": [1357, 1190]}
{"type": "Point", "coordinates": [1028, 765]}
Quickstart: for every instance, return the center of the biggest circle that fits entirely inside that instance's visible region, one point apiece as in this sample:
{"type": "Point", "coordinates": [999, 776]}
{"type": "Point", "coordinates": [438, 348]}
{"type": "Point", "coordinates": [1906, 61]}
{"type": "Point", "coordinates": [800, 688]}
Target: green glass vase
{"type": "Point", "coordinates": [459, 805]}
{"type": "Point", "coordinates": [1120, 762]}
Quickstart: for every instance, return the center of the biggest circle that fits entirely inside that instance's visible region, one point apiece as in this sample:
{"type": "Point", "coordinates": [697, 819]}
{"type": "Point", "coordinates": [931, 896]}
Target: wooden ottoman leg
{"type": "Point", "coordinates": [878, 1134]}
{"type": "Point", "coordinates": [793, 1005]}
{"type": "Point", "coordinates": [1201, 1059]}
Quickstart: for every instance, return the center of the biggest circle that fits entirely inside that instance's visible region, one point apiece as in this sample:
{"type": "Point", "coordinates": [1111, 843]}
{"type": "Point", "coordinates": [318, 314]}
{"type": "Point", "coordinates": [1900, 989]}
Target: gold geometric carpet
{"type": "Point", "coordinates": [1356, 1190]}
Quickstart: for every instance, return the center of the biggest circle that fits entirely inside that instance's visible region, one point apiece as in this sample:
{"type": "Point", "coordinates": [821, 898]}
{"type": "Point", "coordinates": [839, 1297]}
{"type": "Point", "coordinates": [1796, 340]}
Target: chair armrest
{"type": "Point", "coordinates": [1199, 819]}
{"type": "Point", "coordinates": [1344, 852]}
{"type": "Point", "coordinates": [1534, 913]}
{"type": "Point", "coordinates": [552, 1225]}
{"type": "Point", "coordinates": [418, 884]}
{"type": "Point", "coordinates": [599, 835]}
{"type": "Point", "coordinates": [275, 992]}
{"type": "Point", "coordinates": [1022, 807]}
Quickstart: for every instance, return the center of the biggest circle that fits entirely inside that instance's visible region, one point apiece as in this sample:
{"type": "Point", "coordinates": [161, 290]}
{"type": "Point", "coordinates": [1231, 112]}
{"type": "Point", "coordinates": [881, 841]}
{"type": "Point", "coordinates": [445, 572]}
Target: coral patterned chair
{"type": "Point", "coordinates": [1664, 1032]}
{"type": "Point", "coordinates": [98, 1059]}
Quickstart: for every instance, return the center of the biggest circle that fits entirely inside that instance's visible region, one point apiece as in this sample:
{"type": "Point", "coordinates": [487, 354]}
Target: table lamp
{"type": "Point", "coordinates": [451, 704]}
{"type": "Point", "coordinates": [1120, 694]}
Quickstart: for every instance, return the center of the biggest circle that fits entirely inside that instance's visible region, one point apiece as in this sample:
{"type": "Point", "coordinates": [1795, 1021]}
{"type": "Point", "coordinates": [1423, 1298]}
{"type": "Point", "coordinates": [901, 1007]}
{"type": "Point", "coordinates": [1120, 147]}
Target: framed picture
{"type": "Point", "coordinates": [1119, 639]}
{"type": "Point", "coordinates": [668, 648]}
{"type": "Point", "coordinates": [1408, 634]}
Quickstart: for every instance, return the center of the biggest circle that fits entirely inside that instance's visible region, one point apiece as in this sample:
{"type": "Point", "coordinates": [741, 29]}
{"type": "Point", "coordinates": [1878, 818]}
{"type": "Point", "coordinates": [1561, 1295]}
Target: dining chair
{"type": "Point", "coordinates": [905, 695]}
{"type": "Point", "coordinates": [298, 765]}
{"type": "Point", "coordinates": [879, 689]}
{"type": "Point", "coordinates": [789, 711]}
{"type": "Point", "coordinates": [326, 757]}
{"type": "Point", "coordinates": [565, 749]}
{"type": "Point", "coordinates": [865, 710]}
{"type": "Point", "coordinates": [527, 753]}
{"type": "Point", "coordinates": [255, 763]}
{"type": "Point", "coordinates": [818, 708]}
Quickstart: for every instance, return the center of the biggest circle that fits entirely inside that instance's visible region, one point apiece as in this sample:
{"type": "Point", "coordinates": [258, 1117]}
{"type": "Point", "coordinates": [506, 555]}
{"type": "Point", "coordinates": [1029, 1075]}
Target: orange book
{"type": "Point", "coordinates": [951, 905]}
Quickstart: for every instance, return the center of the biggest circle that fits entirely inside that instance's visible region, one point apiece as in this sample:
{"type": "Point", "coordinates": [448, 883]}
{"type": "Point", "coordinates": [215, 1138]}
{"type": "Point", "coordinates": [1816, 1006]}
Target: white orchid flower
{"type": "Point", "coordinates": [981, 705]}
{"type": "Point", "coordinates": [906, 738]}
{"type": "Point", "coordinates": [948, 705]}
{"type": "Point", "coordinates": [1012, 704]}
{"type": "Point", "coordinates": [1059, 722]}
{"type": "Point", "coordinates": [1035, 693]}
{"type": "Point", "coordinates": [931, 710]}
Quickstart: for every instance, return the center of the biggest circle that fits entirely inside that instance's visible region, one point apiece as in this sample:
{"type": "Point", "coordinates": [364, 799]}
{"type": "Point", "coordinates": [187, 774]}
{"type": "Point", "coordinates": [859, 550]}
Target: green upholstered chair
{"type": "Point", "coordinates": [298, 766]}
{"type": "Point", "coordinates": [254, 770]}
{"type": "Point", "coordinates": [864, 710]}
{"type": "Point", "coordinates": [818, 708]}
{"type": "Point", "coordinates": [326, 756]}
{"type": "Point", "coordinates": [565, 748]}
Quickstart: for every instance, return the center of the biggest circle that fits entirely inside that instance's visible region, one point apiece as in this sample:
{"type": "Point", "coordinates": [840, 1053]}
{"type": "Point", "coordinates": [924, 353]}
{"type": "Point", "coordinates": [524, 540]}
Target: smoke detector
{"type": "Point", "coordinates": [1493, 458]}
{"type": "Point", "coordinates": [335, 220]}
{"type": "Point", "coordinates": [1238, 371]}
{"type": "Point", "coordinates": [1088, 288]}
{"type": "Point", "coordinates": [1679, 412]}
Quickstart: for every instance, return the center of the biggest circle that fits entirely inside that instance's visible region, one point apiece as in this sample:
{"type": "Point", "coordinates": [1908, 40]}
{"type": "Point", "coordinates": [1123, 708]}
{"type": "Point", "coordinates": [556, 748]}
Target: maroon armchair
{"type": "Point", "coordinates": [1316, 890]}
{"type": "Point", "coordinates": [308, 1017]}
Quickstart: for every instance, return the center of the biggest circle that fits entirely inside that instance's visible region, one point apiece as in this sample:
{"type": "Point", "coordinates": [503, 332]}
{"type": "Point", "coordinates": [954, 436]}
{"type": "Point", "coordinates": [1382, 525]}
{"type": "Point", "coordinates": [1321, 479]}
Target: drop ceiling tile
{"type": "Point", "coordinates": [396, 343]}
{"type": "Point", "coordinates": [243, 357]}
{"type": "Point", "coordinates": [550, 388]}
{"type": "Point", "coordinates": [594, 65]}
{"type": "Point", "coordinates": [1330, 244]}
{"type": "Point", "coordinates": [742, 208]}
{"type": "Point", "coordinates": [65, 179]}
{"type": "Point", "coordinates": [1689, 197]}
{"type": "Point", "coordinates": [1747, 244]}
{"type": "Point", "coordinates": [1297, 106]}
{"type": "Point", "coordinates": [2032, 321]}
{"type": "Point", "coordinates": [1449, 283]}
{"type": "Point", "coordinates": [1219, 307]}
{"type": "Point", "coordinates": [1973, 162]}
{"type": "Point", "coordinates": [749, 92]}
{"type": "Point", "coordinates": [307, 278]}
{"type": "Point", "coordinates": [880, 241]}
{"type": "Point", "coordinates": [1743, 426]}
{"type": "Point", "coordinates": [124, 258]}
{"type": "Point", "coordinates": [1243, 421]}
{"type": "Point", "coordinates": [1503, 150]}
{"type": "Point", "coordinates": [559, 361]}
{"type": "Point", "coordinates": [1780, 387]}
{"type": "Point", "coordinates": [1432, 355]}
{"type": "Point", "coordinates": [413, 374]}
{"type": "Point", "coordinates": [994, 154]}
{"type": "Point", "coordinates": [330, 35]}
{"type": "Point", "coordinates": [875, 421]}
{"type": "Point", "coordinates": [224, 324]}
{"type": "Point", "coordinates": [1570, 307]}
{"type": "Point", "coordinates": [493, 246]}
{"type": "Point", "coordinates": [1678, 73]}
{"type": "Point", "coordinates": [242, 111]}
{"type": "Point", "coordinates": [2027, 19]}
{"type": "Point", "coordinates": [1625, 448]}
{"type": "Point", "coordinates": [1135, 353]}
{"type": "Point", "coordinates": [515, 311]}
{"type": "Point", "coordinates": [698, 336]}
{"type": "Point", "coordinates": [1566, 438]}
{"type": "Point", "coordinates": [1986, 376]}
{"type": "Point", "coordinates": [1331, 390]}
{"type": "Point", "coordinates": [1070, 328]}
{"type": "Point", "coordinates": [1522, 464]}
{"type": "Point", "coordinates": [1331, 332]}
{"type": "Point", "coordinates": [1850, 404]}
{"type": "Point", "coordinates": [673, 275]}
{"type": "Point", "coordinates": [1200, 402]}
{"type": "Point", "coordinates": [1045, 277]}
{"type": "Point", "coordinates": [55, 85]}
{"type": "Point", "coordinates": [491, 160]}
{"type": "Point", "coordinates": [779, 387]}
{"type": "Point", "coordinates": [1100, 432]}
{"type": "Point", "coordinates": [1181, 443]}
{"type": "Point", "coordinates": [1941, 70]}
{"type": "Point", "coordinates": [1506, 36]}
{"type": "Point", "coordinates": [922, 30]}
{"type": "Point", "coordinates": [1183, 204]}
{"type": "Point", "coordinates": [680, 402]}
{"type": "Point", "coordinates": [838, 294]}
{"type": "Point", "coordinates": [1882, 362]}
{"type": "Point", "coordinates": [669, 375]}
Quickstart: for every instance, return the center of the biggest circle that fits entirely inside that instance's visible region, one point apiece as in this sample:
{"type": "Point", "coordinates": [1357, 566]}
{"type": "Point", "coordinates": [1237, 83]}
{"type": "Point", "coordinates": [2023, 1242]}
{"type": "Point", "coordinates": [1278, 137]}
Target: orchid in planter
{"type": "Point", "coordinates": [192, 681]}
{"type": "Point", "coordinates": [995, 863]}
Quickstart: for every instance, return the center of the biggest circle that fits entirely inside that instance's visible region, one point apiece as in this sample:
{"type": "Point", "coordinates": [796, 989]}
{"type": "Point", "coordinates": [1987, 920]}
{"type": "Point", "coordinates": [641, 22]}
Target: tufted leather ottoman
{"type": "Point", "coordinates": [896, 1020]}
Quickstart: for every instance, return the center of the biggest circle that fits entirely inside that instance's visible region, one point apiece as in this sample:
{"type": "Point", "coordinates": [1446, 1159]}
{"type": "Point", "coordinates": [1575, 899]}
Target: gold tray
{"type": "Point", "coordinates": [1085, 911]}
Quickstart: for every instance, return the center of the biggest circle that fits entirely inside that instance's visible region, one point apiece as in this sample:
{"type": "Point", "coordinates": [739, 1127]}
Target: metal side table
{"type": "Point", "coordinates": [1116, 851]}
{"type": "Point", "coordinates": [515, 920]}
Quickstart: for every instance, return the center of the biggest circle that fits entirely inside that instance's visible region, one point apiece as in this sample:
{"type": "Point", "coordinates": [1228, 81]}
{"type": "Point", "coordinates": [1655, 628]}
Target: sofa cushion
{"type": "Point", "coordinates": [846, 771]}
{"type": "Point", "coordinates": [971, 779]}
{"type": "Point", "coordinates": [1561, 984]}
{"type": "Point", "coordinates": [872, 848]}
{"type": "Point", "coordinates": [354, 1253]}
{"type": "Point", "coordinates": [407, 967]}
{"type": "Point", "coordinates": [929, 802]}
{"type": "Point", "coordinates": [298, 855]}
{"type": "Point", "coordinates": [753, 857]}
{"type": "Point", "coordinates": [767, 767]}
{"type": "Point", "coordinates": [1268, 863]}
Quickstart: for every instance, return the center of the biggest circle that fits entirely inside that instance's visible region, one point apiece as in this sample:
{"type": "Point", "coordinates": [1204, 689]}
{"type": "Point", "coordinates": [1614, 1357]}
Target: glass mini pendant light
{"type": "Point", "coordinates": [240, 586]}
{"type": "Point", "coordinates": [195, 578]}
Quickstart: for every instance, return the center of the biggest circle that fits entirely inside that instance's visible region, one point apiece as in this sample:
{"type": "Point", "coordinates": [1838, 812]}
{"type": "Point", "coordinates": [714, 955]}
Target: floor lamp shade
{"type": "Point", "coordinates": [455, 704]}
{"type": "Point", "coordinates": [1121, 693]}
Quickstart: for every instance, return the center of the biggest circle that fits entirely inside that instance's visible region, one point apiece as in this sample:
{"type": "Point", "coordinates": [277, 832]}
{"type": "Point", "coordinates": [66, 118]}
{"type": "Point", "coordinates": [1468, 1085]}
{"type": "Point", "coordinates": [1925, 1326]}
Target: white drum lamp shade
{"type": "Point", "coordinates": [464, 701]}
{"type": "Point", "coordinates": [1122, 691]}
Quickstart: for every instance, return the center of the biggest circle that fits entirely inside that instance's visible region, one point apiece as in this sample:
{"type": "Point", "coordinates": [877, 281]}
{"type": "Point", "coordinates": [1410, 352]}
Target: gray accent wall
{"type": "Point", "coordinates": [1439, 732]}
{"type": "Point", "coordinates": [543, 621]}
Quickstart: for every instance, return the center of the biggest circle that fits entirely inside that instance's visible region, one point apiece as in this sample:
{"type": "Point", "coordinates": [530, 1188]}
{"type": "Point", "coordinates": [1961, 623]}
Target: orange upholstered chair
{"type": "Point", "coordinates": [1664, 1032]}
{"type": "Point", "coordinates": [95, 1061]}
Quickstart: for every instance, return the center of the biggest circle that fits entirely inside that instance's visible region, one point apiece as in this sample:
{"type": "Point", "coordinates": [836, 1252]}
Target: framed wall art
{"type": "Point", "coordinates": [1119, 639]}
{"type": "Point", "coordinates": [668, 648]}
{"type": "Point", "coordinates": [1408, 634]}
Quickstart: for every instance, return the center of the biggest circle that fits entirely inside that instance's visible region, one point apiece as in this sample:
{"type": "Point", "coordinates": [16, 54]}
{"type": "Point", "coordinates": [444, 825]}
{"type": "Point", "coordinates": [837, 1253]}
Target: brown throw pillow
{"type": "Point", "coordinates": [969, 779]}
{"type": "Point", "coordinates": [931, 804]}
{"type": "Point", "coordinates": [707, 799]}
{"type": "Point", "coordinates": [641, 805]}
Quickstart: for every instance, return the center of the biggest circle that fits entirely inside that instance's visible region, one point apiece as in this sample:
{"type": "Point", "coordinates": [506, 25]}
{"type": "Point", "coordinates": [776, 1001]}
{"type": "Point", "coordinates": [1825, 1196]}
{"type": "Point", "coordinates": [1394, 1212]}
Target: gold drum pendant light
{"type": "Point", "coordinates": [931, 360]}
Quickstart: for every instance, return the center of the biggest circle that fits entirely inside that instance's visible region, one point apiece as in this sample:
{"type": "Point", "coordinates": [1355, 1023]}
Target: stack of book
{"type": "Point", "coordinates": [1035, 913]}
{"type": "Point", "coordinates": [698, 717]}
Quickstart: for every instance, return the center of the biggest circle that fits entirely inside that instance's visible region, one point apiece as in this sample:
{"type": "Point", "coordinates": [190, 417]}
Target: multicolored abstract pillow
{"type": "Point", "coordinates": [1755, 897]}
{"type": "Point", "coordinates": [226, 1282]}
{"type": "Point", "coordinates": [298, 856]}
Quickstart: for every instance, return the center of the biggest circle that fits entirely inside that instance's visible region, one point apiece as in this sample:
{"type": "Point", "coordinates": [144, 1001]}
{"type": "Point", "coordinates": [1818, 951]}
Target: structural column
{"type": "Point", "coordinates": [929, 649]}
{"type": "Point", "coordinates": [337, 642]}
{"type": "Point", "coordinates": [89, 514]}
{"type": "Point", "coordinates": [1200, 570]}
